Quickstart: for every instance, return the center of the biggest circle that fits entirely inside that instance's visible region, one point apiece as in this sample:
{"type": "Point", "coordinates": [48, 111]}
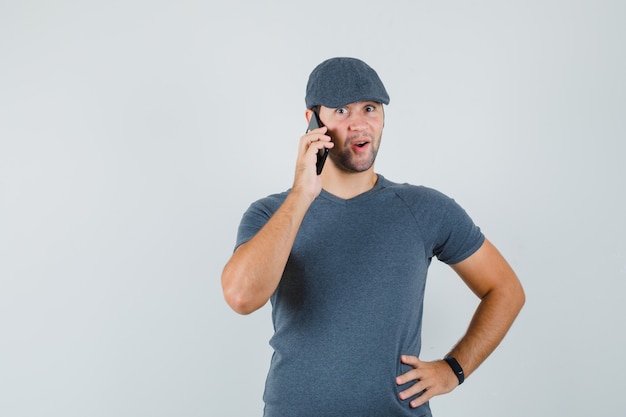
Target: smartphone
{"type": "Point", "coordinates": [323, 153]}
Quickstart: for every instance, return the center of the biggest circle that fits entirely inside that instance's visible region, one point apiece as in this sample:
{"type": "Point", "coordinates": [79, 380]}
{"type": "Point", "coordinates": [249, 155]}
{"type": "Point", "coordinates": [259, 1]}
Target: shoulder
{"type": "Point", "coordinates": [427, 204]}
{"type": "Point", "coordinates": [451, 232]}
{"type": "Point", "coordinates": [269, 204]}
{"type": "Point", "coordinates": [257, 214]}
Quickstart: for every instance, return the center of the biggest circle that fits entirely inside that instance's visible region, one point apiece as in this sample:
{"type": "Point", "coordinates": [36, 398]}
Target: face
{"type": "Point", "coordinates": [356, 130]}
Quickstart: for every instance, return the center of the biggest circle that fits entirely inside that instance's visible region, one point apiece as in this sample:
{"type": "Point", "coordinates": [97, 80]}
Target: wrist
{"type": "Point", "coordinates": [302, 196]}
{"type": "Point", "coordinates": [456, 368]}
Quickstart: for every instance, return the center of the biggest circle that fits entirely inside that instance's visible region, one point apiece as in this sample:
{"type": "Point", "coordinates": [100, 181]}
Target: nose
{"type": "Point", "coordinates": [357, 122]}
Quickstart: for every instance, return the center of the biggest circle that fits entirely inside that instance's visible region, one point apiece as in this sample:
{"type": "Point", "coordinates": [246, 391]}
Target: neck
{"type": "Point", "coordinates": [347, 185]}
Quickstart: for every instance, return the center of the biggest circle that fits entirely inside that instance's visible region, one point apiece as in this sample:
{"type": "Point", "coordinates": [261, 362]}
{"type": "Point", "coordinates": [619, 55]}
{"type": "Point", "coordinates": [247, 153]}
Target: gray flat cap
{"type": "Point", "coordinates": [340, 81]}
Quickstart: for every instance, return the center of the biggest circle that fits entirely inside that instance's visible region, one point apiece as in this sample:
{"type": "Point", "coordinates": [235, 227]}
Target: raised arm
{"type": "Point", "coordinates": [254, 271]}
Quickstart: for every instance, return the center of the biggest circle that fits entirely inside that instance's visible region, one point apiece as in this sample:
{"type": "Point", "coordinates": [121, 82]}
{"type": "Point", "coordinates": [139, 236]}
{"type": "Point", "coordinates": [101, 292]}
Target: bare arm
{"type": "Point", "coordinates": [254, 271]}
{"type": "Point", "coordinates": [491, 278]}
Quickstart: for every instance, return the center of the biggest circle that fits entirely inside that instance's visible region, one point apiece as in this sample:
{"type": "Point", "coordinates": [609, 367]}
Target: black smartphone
{"type": "Point", "coordinates": [323, 153]}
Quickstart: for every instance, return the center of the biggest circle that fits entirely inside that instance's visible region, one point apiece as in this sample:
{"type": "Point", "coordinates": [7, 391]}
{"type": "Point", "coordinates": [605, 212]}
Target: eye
{"type": "Point", "coordinates": [370, 108]}
{"type": "Point", "coordinates": [341, 110]}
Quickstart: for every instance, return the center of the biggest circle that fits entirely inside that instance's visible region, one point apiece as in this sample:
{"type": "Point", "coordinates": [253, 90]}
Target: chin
{"type": "Point", "coordinates": [345, 162]}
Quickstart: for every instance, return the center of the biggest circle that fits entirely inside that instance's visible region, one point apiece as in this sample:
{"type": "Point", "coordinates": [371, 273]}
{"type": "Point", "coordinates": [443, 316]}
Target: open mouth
{"type": "Point", "coordinates": [360, 143]}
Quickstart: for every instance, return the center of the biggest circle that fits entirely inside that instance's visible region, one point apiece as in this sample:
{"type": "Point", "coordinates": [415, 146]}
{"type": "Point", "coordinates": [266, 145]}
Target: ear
{"type": "Point", "coordinates": [308, 113]}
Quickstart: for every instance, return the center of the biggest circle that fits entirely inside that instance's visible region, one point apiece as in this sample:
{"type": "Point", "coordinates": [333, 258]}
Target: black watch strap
{"type": "Point", "coordinates": [456, 368]}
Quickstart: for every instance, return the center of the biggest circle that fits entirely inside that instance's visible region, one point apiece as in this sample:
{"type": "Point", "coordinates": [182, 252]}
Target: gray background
{"type": "Point", "coordinates": [135, 133]}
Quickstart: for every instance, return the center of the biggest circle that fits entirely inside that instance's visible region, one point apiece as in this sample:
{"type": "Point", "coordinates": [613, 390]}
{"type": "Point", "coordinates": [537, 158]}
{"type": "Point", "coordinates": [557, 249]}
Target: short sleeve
{"type": "Point", "coordinates": [256, 216]}
{"type": "Point", "coordinates": [457, 236]}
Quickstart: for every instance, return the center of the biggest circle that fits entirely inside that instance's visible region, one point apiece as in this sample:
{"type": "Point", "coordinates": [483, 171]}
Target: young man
{"type": "Point", "coordinates": [343, 257]}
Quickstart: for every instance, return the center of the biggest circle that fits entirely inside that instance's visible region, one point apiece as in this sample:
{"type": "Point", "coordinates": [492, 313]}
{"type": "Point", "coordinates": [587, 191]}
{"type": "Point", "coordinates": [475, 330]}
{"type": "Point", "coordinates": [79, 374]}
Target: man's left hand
{"type": "Point", "coordinates": [433, 378]}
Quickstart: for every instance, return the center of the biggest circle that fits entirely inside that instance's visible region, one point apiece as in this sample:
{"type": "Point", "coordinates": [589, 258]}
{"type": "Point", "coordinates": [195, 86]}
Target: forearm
{"type": "Point", "coordinates": [252, 274]}
{"type": "Point", "coordinates": [493, 318]}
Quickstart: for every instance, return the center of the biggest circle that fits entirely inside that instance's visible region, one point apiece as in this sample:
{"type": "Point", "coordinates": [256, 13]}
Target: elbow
{"type": "Point", "coordinates": [521, 297]}
{"type": "Point", "coordinates": [521, 294]}
{"type": "Point", "coordinates": [239, 299]}
{"type": "Point", "coordinates": [240, 303]}
{"type": "Point", "coordinates": [517, 297]}
{"type": "Point", "coordinates": [510, 294]}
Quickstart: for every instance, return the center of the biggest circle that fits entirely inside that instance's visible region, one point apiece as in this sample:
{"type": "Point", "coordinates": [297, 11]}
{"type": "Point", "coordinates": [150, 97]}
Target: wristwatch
{"type": "Point", "coordinates": [456, 368]}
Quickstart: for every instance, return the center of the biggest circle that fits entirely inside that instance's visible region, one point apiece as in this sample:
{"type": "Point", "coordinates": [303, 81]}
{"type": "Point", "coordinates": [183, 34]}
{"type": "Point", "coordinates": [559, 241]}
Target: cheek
{"type": "Point", "coordinates": [377, 128]}
{"type": "Point", "coordinates": [377, 122]}
{"type": "Point", "coordinates": [336, 134]}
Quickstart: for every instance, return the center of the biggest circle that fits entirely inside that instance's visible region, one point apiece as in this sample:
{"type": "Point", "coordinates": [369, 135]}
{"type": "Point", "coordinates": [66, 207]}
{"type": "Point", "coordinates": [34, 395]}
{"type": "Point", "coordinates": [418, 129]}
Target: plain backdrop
{"type": "Point", "coordinates": [134, 134]}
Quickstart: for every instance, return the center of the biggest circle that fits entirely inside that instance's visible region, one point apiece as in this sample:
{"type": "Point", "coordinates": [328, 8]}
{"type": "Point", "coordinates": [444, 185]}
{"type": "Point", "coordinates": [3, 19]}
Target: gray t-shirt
{"type": "Point", "coordinates": [351, 297]}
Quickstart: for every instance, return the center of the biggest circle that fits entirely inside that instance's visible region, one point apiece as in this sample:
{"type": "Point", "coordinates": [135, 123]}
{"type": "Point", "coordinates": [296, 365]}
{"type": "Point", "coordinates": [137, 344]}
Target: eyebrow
{"type": "Point", "coordinates": [360, 104]}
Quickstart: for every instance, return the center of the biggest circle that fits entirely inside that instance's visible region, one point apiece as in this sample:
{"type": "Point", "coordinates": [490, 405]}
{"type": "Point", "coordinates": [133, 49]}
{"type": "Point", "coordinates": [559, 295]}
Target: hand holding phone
{"type": "Point", "coordinates": [322, 153]}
